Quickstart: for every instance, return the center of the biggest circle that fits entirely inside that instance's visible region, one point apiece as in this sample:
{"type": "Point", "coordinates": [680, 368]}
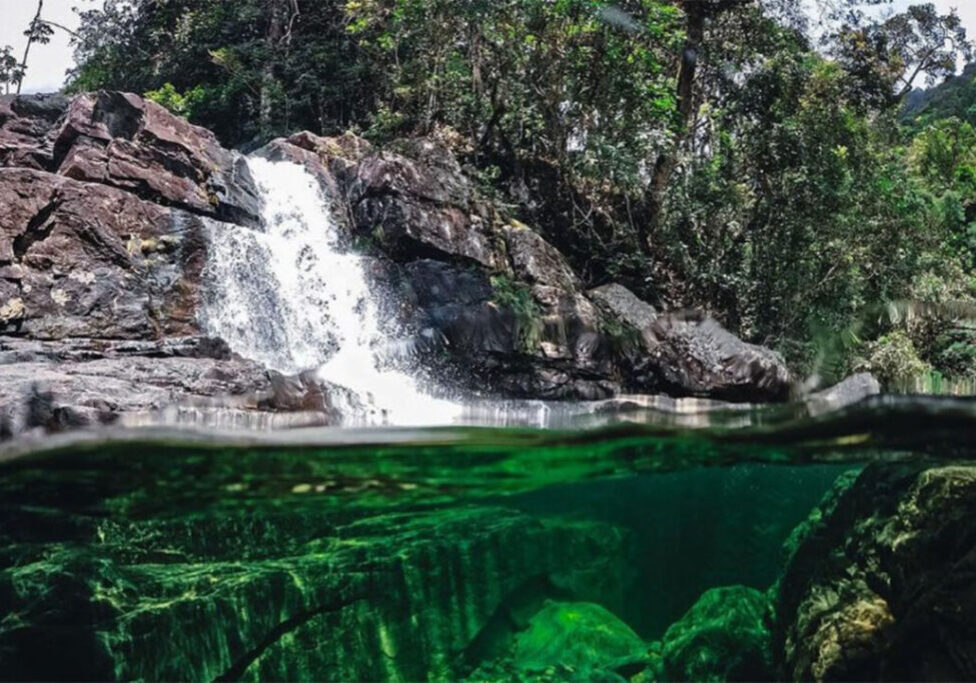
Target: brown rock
{"type": "Point", "coordinates": [89, 260]}
{"type": "Point", "coordinates": [121, 140]}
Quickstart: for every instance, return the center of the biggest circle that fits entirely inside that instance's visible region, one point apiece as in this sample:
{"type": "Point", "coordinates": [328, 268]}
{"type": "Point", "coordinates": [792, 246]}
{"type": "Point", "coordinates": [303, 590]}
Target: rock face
{"type": "Point", "coordinates": [102, 245]}
{"type": "Point", "coordinates": [104, 238]}
{"type": "Point", "coordinates": [880, 584]}
{"type": "Point", "coordinates": [503, 302]}
{"type": "Point", "coordinates": [121, 140]}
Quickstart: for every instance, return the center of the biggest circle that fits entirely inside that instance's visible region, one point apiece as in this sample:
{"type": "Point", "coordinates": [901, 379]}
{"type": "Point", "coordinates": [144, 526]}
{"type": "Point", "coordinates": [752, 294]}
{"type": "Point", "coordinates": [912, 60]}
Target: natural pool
{"type": "Point", "coordinates": [839, 547]}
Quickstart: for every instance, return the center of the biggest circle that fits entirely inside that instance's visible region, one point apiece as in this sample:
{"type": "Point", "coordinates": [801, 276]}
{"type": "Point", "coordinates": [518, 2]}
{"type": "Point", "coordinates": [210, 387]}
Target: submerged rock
{"type": "Point", "coordinates": [294, 588]}
{"type": "Point", "coordinates": [725, 636]}
{"type": "Point", "coordinates": [578, 636]}
{"type": "Point", "coordinates": [880, 583]}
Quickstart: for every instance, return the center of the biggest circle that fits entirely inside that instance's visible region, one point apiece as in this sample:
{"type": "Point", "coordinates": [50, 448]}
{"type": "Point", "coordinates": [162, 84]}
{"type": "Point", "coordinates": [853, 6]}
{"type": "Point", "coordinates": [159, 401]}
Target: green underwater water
{"type": "Point", "coordinates": [633, 551]}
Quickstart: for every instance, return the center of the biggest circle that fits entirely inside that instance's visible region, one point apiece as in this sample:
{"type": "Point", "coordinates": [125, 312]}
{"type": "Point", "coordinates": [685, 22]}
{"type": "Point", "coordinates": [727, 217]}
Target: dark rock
{"type": "Point", "coordinates": [881, 581]}
{"type": "Point", "coordinates": [414, 205]}
{"type": "Point", "coordinates": [725, 636]}
{"type": "Point", "coordinates": [25, 121]}
{"type": "Point", "coordinates": [436, 283]}
{"type": "Point", "coordinates": [693, 355]}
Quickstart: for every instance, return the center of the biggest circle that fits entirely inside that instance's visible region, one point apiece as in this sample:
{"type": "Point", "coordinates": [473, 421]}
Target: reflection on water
{"type": "Point", "coordinates": [646, 550]}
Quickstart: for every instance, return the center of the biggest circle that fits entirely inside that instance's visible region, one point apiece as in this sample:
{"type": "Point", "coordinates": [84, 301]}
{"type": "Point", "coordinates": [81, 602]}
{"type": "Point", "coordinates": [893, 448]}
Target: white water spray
{"type": "Point", "coordinates": [290, 297]}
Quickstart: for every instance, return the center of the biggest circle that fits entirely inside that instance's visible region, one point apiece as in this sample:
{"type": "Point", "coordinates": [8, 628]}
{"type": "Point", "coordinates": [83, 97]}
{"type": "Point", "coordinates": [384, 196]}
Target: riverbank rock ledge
{"type": "Point", "coordinates": [107, 201]}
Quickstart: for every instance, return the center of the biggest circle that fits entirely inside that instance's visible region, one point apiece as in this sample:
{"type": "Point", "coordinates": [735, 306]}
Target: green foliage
{"type": "Point", "coordinates": [894, 360]}
{"type": "Point", "coordinates": [956, 97]}
{"type": "Point", "coordinates": [11, 72]}
{"type": "Point", "coordinates": [517, 297]}
{"type": "Point", "coordinates": [180, 104]}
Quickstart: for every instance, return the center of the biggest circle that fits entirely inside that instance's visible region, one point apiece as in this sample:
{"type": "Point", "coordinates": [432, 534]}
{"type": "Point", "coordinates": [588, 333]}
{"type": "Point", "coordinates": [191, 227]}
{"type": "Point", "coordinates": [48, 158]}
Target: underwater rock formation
{"type": "Point", "coordinates": [725, 636]}
{"type": "Point", "coordinates": [880, 583]}
{"type": "Point", "coordinates": [285, 590]}
{"type": "Point", "coordinates": [578, 636]}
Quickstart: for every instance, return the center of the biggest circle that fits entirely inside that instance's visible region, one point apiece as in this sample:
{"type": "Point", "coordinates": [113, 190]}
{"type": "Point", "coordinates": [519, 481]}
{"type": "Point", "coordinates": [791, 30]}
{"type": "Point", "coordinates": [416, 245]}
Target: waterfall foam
{"type": "Point", "coordinates": [291, 297]}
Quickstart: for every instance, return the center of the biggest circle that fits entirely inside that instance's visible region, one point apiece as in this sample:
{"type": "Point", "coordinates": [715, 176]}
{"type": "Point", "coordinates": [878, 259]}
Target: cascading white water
{"type": "Point", "coordinates": [290, 297]}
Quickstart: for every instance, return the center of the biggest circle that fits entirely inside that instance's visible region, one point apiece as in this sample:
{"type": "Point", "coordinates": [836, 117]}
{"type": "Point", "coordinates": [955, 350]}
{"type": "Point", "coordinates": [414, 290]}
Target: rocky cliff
{"type": "Point", "coordinates": [105, 199]}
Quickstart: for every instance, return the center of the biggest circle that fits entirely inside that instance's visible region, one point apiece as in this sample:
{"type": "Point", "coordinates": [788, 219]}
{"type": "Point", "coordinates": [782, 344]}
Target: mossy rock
{"type": "Point", "coordinates": [723, 637]}
{"type": "Point", "coordinates": [578, 636]}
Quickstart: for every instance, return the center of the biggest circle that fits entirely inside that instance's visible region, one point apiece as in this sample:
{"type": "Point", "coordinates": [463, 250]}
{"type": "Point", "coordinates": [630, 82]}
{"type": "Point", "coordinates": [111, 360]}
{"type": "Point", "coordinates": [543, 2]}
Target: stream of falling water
{"type": "Point", "coordinates": [290, 297]}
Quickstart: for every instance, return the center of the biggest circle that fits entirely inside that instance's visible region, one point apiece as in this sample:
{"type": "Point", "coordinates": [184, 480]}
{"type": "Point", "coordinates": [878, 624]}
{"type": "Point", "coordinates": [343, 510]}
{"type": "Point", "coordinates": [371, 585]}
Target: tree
{"type": "Point", "coordinates": [888, 57]}
{"type": "Point", "coordinates": [39, 32]}
{"type": "Point", "coordinates": [11, 73]}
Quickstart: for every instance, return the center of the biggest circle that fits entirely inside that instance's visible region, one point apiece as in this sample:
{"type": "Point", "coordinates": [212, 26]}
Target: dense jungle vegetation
{"type": "Point", "coordinates": [752, 158]}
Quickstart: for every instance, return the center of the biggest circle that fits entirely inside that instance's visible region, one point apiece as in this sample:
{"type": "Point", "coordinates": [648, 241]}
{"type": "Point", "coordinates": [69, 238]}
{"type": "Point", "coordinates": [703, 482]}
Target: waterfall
{"type": "Point", "coordinates": [291, 297]}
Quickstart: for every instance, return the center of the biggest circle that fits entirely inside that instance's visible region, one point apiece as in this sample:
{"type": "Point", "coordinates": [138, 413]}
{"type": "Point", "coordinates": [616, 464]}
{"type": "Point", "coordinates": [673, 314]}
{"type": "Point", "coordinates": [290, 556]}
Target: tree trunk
{"type": "Point", "coordinates": [283, 14]}
{"type": "Point", "coordinates": [667, 160]}
{"type": "Point", "coordinates": [30, 41]}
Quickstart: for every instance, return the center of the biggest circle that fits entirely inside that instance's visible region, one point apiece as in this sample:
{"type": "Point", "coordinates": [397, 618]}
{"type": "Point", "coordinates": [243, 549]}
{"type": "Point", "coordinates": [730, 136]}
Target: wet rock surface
{"type": "Point", "coordinates": [725, 636]}
{"type": "Point", "coordinates": [845, 393]}
{"type": "Point", "coordinates": [505, 303]}
{"type": "Point", "coordinates": [879, 585]}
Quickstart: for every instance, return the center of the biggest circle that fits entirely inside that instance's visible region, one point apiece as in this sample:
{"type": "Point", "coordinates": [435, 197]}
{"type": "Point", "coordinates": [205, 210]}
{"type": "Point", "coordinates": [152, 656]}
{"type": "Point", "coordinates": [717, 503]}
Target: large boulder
{"type": "Point", "coordinates": [881, 580]}
{"type": "Point", "coordinates": [725, 636]}
{"type": "Point", "coordinates": [421, 206]}
{"type": "Point", "coordinates": [537, 262]}
{"type": "Point", "coordinates": [692, 355]}
{"type": "Point", "coordinates": [621, 303]}
{"type": "Point", "coordinates": [581, 637]}
{"type": "Point", "coordinates": [847, 392]}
